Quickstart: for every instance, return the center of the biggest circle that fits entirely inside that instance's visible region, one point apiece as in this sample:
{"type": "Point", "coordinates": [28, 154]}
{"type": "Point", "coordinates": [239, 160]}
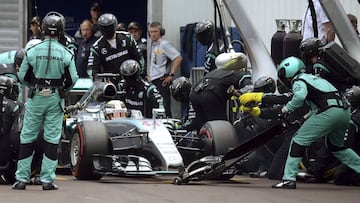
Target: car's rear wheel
{"type": "Point", "coordinates": [89, 137]}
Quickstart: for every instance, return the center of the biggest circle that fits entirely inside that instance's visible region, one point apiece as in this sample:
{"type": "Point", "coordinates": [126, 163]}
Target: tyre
{"type": "Point", "coordinates": [89, 137]}
{"type": "Point", "coordinates": [218, 136]}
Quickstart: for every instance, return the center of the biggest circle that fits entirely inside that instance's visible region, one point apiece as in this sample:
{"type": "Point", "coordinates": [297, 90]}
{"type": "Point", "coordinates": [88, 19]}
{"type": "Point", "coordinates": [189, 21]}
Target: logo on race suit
{"type": "Point", "coordinates": [141, 95]}
{"type": "Point", "coordinates": [48, 82]}
{"type": "Point", "coordinates": [104, 51]}
{"type": "Point", "coordinates": [123, 43]}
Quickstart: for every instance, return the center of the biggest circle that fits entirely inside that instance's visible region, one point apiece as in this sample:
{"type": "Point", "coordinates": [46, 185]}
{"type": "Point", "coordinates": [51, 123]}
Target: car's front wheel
{"type": "Point", "coordinates": [89, 137]}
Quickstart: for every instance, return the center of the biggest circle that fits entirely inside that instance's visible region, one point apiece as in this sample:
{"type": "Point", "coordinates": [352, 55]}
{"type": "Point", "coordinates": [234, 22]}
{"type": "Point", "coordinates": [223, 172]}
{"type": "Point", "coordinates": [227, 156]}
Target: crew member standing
{"type": "Point", "coordinates": [112, 49]}
{"type": "Point", "coordinates": [48, 70]}
{"type": "Point", "coordinates": [161, 51]}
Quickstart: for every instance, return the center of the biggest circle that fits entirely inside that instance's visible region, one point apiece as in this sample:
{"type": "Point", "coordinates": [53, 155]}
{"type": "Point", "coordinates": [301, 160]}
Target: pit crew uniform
{"type": "Point", "coordinates": [142, 96]}
{"type": "Point", "coordinates": [48, 70]}
{"type": "Point", "coordinates": [209, 96]}
{"type": "Point", "coordinates": [330, 118]}
{"type": "Point", "coordinates": [106, 59]}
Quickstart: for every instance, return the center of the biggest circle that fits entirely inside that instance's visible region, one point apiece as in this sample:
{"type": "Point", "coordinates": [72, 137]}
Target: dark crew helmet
{"type": "Point", "coordinates": [205, 32]}
{"type": "Point", "coordinates": [19, 57]}
{"type": "Point", "coordinates": [310, 48]}
{"type": "Point", "coordinates": [180, 89]}
{"type": "Point", "coordinates": [107, 24]}
{"type": "Point", "coordinates": [353, 96]}
{"type": "Point", "coordinates": [7, 86]}
{"type": "Point", "coordinates": [289, 68]}
{"type": "Point", "coordinates": [53, 24]}
{"type": "Point", "coordinates": [265, 84]}
{"type": "Point", "coordinates": [130, 70]}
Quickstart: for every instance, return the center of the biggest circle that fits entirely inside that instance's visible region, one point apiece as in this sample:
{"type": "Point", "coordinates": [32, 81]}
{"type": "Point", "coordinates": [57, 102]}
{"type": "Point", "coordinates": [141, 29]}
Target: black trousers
{"type": "Point", "coordinates": [165, 93]}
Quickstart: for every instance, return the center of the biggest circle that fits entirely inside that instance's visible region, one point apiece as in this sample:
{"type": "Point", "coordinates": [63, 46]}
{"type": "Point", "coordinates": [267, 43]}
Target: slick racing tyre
{"type": "Point", "coordinates": [89, 137]}
{"type": "Point", "coordinates": [218, 137]}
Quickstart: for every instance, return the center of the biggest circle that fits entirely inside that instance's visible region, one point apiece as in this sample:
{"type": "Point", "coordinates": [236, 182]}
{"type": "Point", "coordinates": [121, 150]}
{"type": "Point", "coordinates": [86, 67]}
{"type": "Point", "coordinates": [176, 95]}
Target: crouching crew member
{"type": "Point", "coordinates": [137, 93]}
{"type": "Point", "coordinates": [330, 117]}
{"type": "Point", "coordinates": [48, 70]}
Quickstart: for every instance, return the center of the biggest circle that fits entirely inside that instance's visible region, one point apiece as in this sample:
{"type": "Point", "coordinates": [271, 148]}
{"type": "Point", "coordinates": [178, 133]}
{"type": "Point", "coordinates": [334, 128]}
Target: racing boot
{"type": "Point", "coordinates": [285, 184]}
{"type": "Point", "coordinates": [49, 186]}
{"type": "Point", "coordinates": [18, 185]}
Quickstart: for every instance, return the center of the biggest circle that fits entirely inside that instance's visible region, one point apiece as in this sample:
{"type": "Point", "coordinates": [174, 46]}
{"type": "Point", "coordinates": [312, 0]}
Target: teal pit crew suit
{"type": "Point", "coordinates": [330, 119]}
{"type": "Point", "coordinates": [330, 116]}
{"type": "Point", "coordinates": [48, 70]}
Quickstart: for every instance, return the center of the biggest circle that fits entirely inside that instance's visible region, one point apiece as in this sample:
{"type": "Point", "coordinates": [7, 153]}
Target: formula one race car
{"type": "Point", "coordinates": [103, 137]}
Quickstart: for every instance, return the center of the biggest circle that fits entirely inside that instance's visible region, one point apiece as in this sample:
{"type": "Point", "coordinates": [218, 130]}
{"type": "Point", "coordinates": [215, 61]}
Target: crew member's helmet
{"type": "Point", "coordinates": [310, 48]}
{"type": "Point", "coordinates": [7, 86]}
{"type": "Point", "coordinates": [53, 24]}
{"type": "Point", "coordinates": [265, 84]}
{"type": "Point", "coordinates": [107, 24]}
{"type": "Point", "coordinates": [205, 32]}
{"type": "Point", "coordinates": [180, 89]}
{"type": "Point", "coordinates": [130, 70]}
{"type": "Point", "coordinates": [353, 96]}
{"type": "Point", "coordinates": [19, 57]}
{"type": "Point", "coordinates": [289, 68]}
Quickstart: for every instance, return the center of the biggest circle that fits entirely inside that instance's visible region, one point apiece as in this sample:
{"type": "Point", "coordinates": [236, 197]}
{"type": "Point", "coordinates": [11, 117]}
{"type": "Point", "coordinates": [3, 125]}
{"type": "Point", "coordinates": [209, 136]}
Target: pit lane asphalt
{"type": "Point", "coordinates": [159, 189]}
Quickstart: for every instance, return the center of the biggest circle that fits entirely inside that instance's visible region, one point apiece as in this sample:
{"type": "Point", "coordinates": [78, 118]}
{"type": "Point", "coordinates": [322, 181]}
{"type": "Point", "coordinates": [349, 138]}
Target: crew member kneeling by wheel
{"type": "Point", "coordinates": [48, 70]}
{"type": "Point", "coordinates": [329, 117]}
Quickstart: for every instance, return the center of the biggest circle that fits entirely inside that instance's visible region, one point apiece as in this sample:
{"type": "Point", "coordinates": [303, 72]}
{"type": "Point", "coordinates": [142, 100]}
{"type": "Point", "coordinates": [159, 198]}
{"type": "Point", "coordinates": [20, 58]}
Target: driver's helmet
{"type": "Point", "coordinates": [353, 96]}
{"type": "Point", "coordinates": [310, 48]}
{"type": "Point", "coordinates": [289, 68]}
{"type": "Point", "coordinates": [265, 84]}
{"type": "Point", "coordinates": [53, 24]}
{"type": "Point", "coordinates": [116, 109]}
{"type": "Point", "coordinates": [205, 32]}
{"type": "Point", "coordinates": [180, 89]}
{"type": "Point", "coordinates": [130, 70]}
{"type": "Point", "coordinates": [107, 24]}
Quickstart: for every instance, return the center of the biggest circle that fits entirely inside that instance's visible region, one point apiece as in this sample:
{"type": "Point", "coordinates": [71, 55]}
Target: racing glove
{"type": "Point", "coordinates": [250, 98]}
{"type": "Point", "coordinates": [254, 111]}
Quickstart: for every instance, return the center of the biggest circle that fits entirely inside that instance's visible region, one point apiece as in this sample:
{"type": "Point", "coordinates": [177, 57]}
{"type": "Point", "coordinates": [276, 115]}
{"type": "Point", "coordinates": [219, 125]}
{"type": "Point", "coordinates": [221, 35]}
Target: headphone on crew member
{"type": "Point", "coordinates": [156, 24]}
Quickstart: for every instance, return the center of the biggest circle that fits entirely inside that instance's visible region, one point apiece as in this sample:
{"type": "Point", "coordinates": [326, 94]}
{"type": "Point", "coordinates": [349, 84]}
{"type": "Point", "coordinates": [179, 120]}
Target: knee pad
{"type": "Point", "coordinates": [50, 150]}
{"type": "Point", "coordinates": [297, 150]}
{"type": "Point", "coordinates": [26, 150]}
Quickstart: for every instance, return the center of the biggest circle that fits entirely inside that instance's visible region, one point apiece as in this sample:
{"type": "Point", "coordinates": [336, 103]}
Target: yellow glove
{"type": "Point", "coordinates": [254, 111]}
{"type": "Point", "coordinates": [245, 109]}
{"type": "Point", "coordinates": [251, 97]}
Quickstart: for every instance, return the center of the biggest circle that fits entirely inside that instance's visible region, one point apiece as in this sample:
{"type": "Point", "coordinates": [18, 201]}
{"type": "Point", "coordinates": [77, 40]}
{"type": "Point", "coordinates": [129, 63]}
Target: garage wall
{"type": "Point", "coordinates": [261, 12]}
{"type": "Point", "coordinates": [12, 24]}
